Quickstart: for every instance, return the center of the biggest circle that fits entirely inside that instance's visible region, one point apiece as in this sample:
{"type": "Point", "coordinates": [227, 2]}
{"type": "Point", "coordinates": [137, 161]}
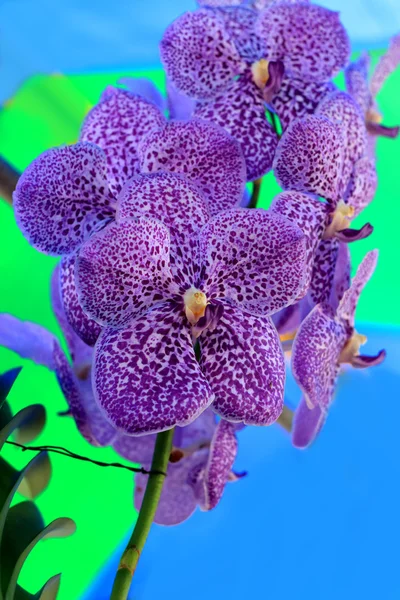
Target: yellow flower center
{"type": "Point", "coordinates": [340, 219]}
{"type": "Point", "coordinates": [260, 73]}
{"type": "Point", "coordinates": [352, 348]}
{"type": "Point", "coordinates": [373, 116]}
{"type": "Point", "coordinates": [195, 304]}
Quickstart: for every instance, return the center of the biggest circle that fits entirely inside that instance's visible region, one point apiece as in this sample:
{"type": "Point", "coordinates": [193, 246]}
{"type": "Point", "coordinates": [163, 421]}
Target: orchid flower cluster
{"type": "Point", "coordinates": [178, 301]}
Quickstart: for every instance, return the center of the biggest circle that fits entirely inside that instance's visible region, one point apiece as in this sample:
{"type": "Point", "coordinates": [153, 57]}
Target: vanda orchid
{"type": "Point", "coordinates": [177, 296]}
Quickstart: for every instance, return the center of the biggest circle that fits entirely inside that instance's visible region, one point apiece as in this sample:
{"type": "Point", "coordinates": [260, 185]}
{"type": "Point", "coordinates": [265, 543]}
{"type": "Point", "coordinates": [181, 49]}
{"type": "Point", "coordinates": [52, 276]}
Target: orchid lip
{"type": "Point", "coordinates": [341, 219]}
{"type": "Point", "coordinates": [352, 348]}
{"type": "Point", "coordinates": [195, 302]}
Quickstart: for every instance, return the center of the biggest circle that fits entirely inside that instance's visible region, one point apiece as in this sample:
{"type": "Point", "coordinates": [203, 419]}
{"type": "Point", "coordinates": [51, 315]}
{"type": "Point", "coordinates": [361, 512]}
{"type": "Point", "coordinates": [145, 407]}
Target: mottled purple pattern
{"type": "Point", "coordinates": [70, 389]}
{"type": "Point", "coordinates": [146, 377]}
{"type": "Point", "coordinates": [243, 361]}
{"type": "Point", "coordinates": [220, 462]}
{"type": "Point", "coordinates": [363, 184]}
{"type": "Point", "coordinates": [124, 269]}
{"type": "Point", "coordinates": [341, 277]}
{"type": "Point", "coordinates": [315, 355]}
{"type": "Point", "coordinates": [241, 111]}
{"type": "Point", "coordinates": [356, 76]}
{"type": "Point", "coordinates": [239, 22]}
{"type": "Point", "coordinates": [253, 259]}
{"type": "Point", "coordinates": [87, 329]}
{"type": "Point", "coordinates": [348, 304]}
{"type": "Point", "coordinates": [309, 157]}
{"type": "Point", "coordinates": [307, 423]}
{"type": "Point", "coordinates": [61, 196]}
{"type": "Point", "coordinates": [323, 274]}
{"type": "Point", "coordinates": [204, 153]}
{"type": "Point", "coordinates": [386, 65]}
{"type": "Point", "coordinates": [310, 215]}
{"type": "Point", "coordinates": [29, 340]}
{"type": "Point", "coordinates": [310, 39]}
{"type": "Point", "coordinates": [198, 54]}
{"type": "Point", "coordinates": [340, 108]}
{"type": "Point", "coordinates": [297, 98]}
{"type": "Point", "coordinates": [179, 105]}
{"type": "Point", "coordinates": [118, 124]}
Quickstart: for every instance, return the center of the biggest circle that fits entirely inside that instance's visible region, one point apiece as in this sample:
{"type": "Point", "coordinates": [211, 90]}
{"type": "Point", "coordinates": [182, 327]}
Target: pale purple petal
{"type": "Point", "coordinates": [220, 462]}
{"type": "Point", "coordinates": [363, 184]}
{"type": "Point", "coordinates": [204, 153]}
{"type": "Point", "coordinates": [363, 362]}
{"type": "Point", "coordinates": [315, 355]}
{"type": "Point", "coordinates": [311, 216]}
{"type": "Point", "coordinates": [243, 361]}
{"type": "Point", "coordinates": [323, 274]}
{"type": "Point", "coordinates": [216, 3]}
{"type": "Point", "coordinates": [310, 39]}
{"type": "Point", "coordinates": [180, 106]}
{"type": "Point", "coordinates": [146, 89]}
{"type": "Point", "coordinates": [136, 449]}
{"type": "Point", "coordinates": [29, 340]}
{"type": "Point", "coordinates": [87, 329]}
{"type": "Point", "coordinates": [146, 377]}
{"type": "Point", "coordinates": [386, 65]}
{"type": "Point", "coordinates": [198, 54]}
{"type": "Point", "coordinates": [288, 319]}
{"type": "Point", "coordinates": [340, 108]}
{"type": "Point", "coordinates": [309, 157]}
{"type": "Point", "coordinates": [348, 304]}
{"type": "Point", "coordinates": [357, 84]}
{"type": "Point", "coordinates": [199, 432]}
{"type": "Point", "coordinates": [61, 196]}
{"type": "Point", "coordinates": [307, 423]}
{"type": "Point", "coordinates": [253, 259]}
{"type": "Point", "coordinates": [240, 110]}
{"type": "Point", "coordinates": [297, 98]}
{"type": "Point", "coordinates": [376, 129]}
{"type": "Point", "coordinates": [118, 124]}
{"type": "Point", "coordinates": [124, 269]}
{"type": "Point", "coordinates": [341, 277]}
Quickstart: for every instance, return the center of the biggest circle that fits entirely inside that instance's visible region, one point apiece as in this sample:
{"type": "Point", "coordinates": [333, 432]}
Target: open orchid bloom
{"type": "Point", "coordinates": [326, 340]}
{"type": "Point", "coordinates": [365, 89]}
{"type": "Point", "coordinates": [154, 292]}
{"type": "Point", "coordinates": [200, 466]}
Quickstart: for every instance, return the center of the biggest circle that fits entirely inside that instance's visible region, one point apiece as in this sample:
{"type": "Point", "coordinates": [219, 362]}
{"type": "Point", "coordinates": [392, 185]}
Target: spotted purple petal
{"type": "Point", "coordinates": [180, 106]}
{"type": "Point", "coordinates": [288, 319]}
{"type": "Point", "coordinates": [310, 39]}
{"type": "Point", "coordinates": [204, 153]}
{"type": "Point", "coordinates": [340, 108]}
{"type": "Point", "coordinates": [144, 88]}
{"type": "Point", "coordinates": [315, 355]}
{"type": "Point", "coordinates": [297, 98]}
{"type": "Point", "coordinates": [146, 378]}
{"type": "Point", "coordinates": [87, 329]}
{"type": "Point", "coordinates": [348, 304]}
{"type": "Point", "coordinates": [341, 277]}
{"type": "Point", "coordinates": [198, 54]}
{"type": "Point", "coordinates": [61, 196]}
{"type": "Point", "coordinates": [311, 216]}
{"type": "Point", "coordinates": [220, 462]}
{"type": "Point", "coordinates": [362, 186]}
{"type": "Point", "coordinates": [252, 259]}
{"type": "Point", "coordinates": [309, 157]}
{"type": "Point", "coordinates": [240, 110]}
{"type": "Point", "coordinates": [386, 65]}
{"type": "Point", "coordinates": [124, 269]}
{"type": "Point", "coordinates": [118, 124]}
{"type": "Point", "coordinates": [29, 340]}
{"type": "Point", "coordinates": [357, 84]}
{"type": "Point", "coordinates": [323, 273]}
{"type": "Point", "coordinates": [243, 361]}
{"type": "Point", "coordinates": [239, 22]}
{"type": "Point", "coordinates": [307, 423]}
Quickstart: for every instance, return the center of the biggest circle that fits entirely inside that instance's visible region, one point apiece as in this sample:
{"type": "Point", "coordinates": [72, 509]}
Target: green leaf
{"type": "Point", "coordinates": [37, 478]}
{"type": "Point", "coordinates": [30, 414]}
{"type": "Point", "coordinates": [32, 425]}
{"type": "Point", "coordinates": [48, 592]}
{"type": "Point", "coordinates": [7, 380]}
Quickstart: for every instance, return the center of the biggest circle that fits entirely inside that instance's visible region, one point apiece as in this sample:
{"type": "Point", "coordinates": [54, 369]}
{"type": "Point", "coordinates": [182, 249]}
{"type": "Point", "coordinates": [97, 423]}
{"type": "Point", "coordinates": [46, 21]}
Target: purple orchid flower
{"type": "Point", "coordinates": [68, 193]}
{"type": "Point", "coordinates": [197, 475]}
{"type": "Point", "coordinates": [155, 290]}
{"type": "Point", "coordinates": [365, 90]}
{"type": "Point", "coordinates": [326, 340]}
{"type": "Point", "coordinates": [323, 155]}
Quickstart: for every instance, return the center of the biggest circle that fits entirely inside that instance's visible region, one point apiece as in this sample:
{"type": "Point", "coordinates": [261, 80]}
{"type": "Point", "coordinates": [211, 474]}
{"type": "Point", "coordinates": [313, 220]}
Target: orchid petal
{"type": "Point", "coordinates": [348, 303]}
{"type": "Point", "coordinates": [386, 65]}
{"type": "Point", "coordinates": [29, 340]}
{"type": "Point", "coordinates": [363, 362]}
{"type": "Point", "coordinates": [145, 88]}
{"type": "Point", "coordinates": [354, 235]}
{"type": "Point", "coordinates": [307, 423]}
{"type": "Point", "coordinates": [362, 186]}
{"type": "Point", "coordinates": [323, 273]}
{"type": "Point", "coordinates": [61, 196]}
{"type": "Point", "coordinates": [146, 377]}
{"type": "Point", "coordinates": [180, 106]}
{"type": "Point", "coordinates": [341, 277]}
{"type": "Point", "coordinates": [243, 361]}
{"type": "Point", "coordinates": [239, 22]}
{"type": "Point", "coordinates": [357, 85]}
{"type": "Point", "coordinates": [220, 462]}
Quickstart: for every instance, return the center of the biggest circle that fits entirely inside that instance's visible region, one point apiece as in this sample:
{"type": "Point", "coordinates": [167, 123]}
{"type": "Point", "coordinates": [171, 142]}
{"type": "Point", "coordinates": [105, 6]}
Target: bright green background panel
{"type": "Point", "coordinates": [47, 112]}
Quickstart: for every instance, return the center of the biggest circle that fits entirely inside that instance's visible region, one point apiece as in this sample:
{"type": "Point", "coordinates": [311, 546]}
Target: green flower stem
{"type": "Point", "coordinates": [255, 193]}
{"type": "Point", "coordinates": [131, 554]}
{"type": "Point", "coordinates": [286, 419]}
